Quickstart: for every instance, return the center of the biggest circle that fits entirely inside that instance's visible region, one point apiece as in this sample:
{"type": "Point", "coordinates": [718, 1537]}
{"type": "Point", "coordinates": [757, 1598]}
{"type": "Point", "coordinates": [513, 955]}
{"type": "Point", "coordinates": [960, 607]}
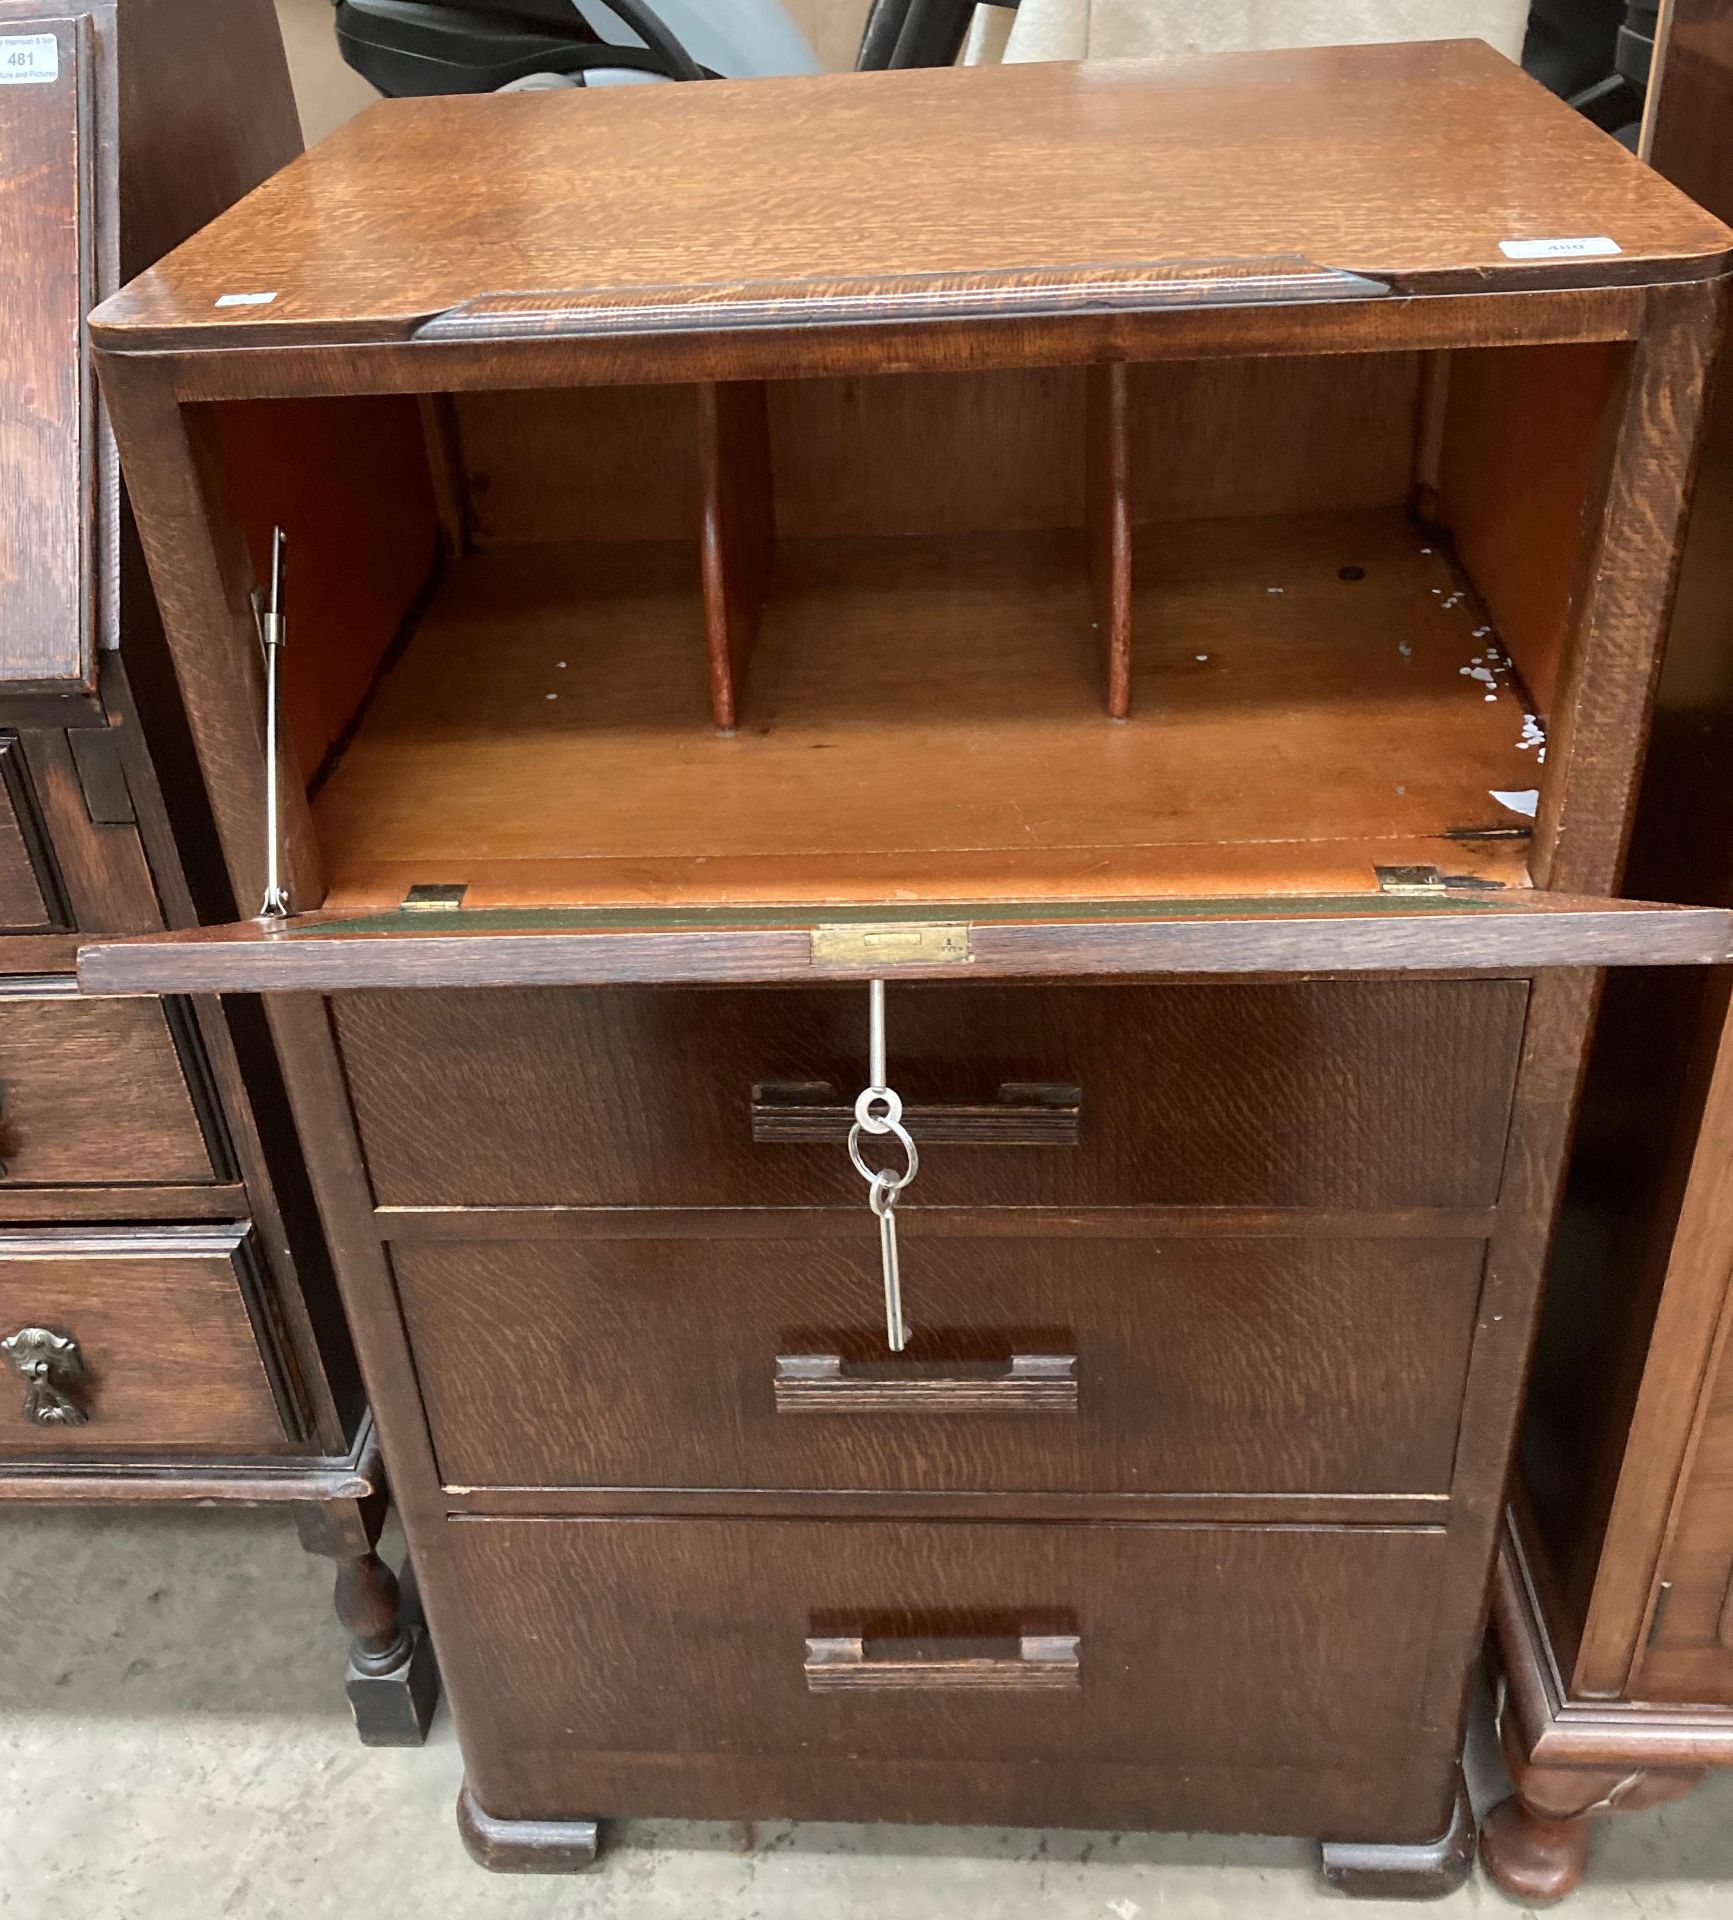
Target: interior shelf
{"type": "Point", "coordinates": [1312, 697]}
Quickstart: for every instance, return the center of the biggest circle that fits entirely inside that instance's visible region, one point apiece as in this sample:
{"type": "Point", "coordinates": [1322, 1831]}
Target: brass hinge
{"type": "Point", "coordinates": [431, 899]}
{"type": "Point", "coordinates": [1409, 880]}
{"type": "Point", "coordinates": [890, 943]}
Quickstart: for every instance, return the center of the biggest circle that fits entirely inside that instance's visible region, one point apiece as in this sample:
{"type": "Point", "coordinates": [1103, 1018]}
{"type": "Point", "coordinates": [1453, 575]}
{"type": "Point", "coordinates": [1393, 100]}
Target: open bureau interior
{"type": "Point", "coordinates": [1196, 628]}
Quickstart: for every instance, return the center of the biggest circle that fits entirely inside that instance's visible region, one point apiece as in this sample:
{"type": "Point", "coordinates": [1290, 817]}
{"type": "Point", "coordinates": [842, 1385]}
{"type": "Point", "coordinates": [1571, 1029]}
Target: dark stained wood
{"type": "Point", "coordinates": [219, 1368]}
{"type": "Point", "coordinates": [171, 1361]}
{"type": "Point", "coordinates": [1033, 1663]}
{"type": "Point", "coordinates": [737, 534]}
{"type": "Point", "coordinates": [730, 1669]}
{"type": "Point", "coordinates": [48, 448]}
{"type": "Point", "coordinates": [1319, 1094]}
{"type": "Point", "coordinates": [1625, 592]}
{"type": "Point", "coordinates": [1108, 467]}
{"type": "Point", "coordinates": [1225, 1365]}
{"type": "Point", "coordinates": [1275, 1562]}
{"type": "Point", "coordinates": [1573, 1761]}
{"type": "Point", "coordinates": [1379, 1871]}
{"type": "Point", "coordinates": [1561, 1007]}
{"type": "Point", "coordinates": [94, 1093]}
{"type": "Point", "coordinates": [30, 898]}
{"type": "Point", "coordinates": [1306, 331]}
{"type": "Point", "coordinates": [1613, 1580]}
{"type": "Point", "coordinates": [826, 1384]}
{"type": "Point", "coordinates": [104, 876]}
{"type": "Point", "coordinates": [1121, 175]}
{"type": "Point", "coordinates": [525, 1846]}
{"type": "Point", "coordinates": [1021, 1114]}
{"type": "Point", "coordinates": [1490, 933]}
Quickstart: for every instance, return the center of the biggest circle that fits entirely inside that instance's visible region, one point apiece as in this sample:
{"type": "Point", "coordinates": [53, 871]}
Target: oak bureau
{"type": "Point", "coordinates": [1160, 568]}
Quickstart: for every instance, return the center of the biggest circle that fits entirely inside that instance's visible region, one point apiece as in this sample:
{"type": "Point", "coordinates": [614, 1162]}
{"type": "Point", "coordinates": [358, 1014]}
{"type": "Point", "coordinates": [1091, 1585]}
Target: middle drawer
{"type": "Point", "coordinates": [1124, 1364]}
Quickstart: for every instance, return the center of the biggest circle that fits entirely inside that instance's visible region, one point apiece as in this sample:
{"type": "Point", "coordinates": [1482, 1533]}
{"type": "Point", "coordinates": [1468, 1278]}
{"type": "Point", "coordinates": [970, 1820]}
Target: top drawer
{"type": "Point", "coordinates": [1361, 1093]}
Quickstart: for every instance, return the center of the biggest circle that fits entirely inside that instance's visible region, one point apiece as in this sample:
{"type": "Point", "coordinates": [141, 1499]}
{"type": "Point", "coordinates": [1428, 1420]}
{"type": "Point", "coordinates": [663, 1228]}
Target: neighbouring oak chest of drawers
{"type": "Point", "coordinates": [1151, 672]}
{"type": "Point", "coordinates": [170, 1328]}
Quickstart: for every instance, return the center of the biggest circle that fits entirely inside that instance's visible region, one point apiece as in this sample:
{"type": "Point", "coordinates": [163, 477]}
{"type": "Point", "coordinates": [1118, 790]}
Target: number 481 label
{"type": "Point", "coordinates": [28, 59]}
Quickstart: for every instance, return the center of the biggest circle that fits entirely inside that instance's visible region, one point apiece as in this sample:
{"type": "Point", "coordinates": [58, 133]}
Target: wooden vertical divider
{"type": "Point", "coordinates": [1107, 500]}
{"type": "Point", "coordinates": [738, 537]}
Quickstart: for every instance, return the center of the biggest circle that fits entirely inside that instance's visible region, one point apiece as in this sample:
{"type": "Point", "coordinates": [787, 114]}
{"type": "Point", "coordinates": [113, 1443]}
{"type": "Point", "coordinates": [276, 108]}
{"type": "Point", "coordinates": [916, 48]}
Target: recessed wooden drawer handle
{"type": "Point", "coordinates": [1042, 1663]}
{"type": "Point", "coordinates": [1027, 1383]}
{"type": "Point", "coordinates": [1025, 1113]}
{"type": "Point", "coordinates": [52, 1366]}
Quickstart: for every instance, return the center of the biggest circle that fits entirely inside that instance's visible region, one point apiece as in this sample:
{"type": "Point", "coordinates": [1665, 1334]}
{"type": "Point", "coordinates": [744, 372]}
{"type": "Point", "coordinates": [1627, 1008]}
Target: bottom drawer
{"type": "Point", "coordinates": [147, 1340]}
{"type": "Point", "coordinates": [1073, 1674]}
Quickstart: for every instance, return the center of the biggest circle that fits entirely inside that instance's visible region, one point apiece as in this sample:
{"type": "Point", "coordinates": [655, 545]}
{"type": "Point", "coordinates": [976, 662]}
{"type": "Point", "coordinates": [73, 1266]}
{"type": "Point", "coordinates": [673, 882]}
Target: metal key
{"type": "Point", "coordinates": [879, 1111]}
{"type": "Point", "coordinates": [883, 1201]}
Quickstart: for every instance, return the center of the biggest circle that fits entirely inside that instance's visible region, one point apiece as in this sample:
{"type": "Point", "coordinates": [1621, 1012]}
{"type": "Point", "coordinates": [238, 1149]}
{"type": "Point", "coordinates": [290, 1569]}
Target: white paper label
{"type": "Point", "coordinates": [1590, 246]}
{"type": "Point", "coordinates": [29, 59]}
{"type": "Point", "coordinates": [245, 299]}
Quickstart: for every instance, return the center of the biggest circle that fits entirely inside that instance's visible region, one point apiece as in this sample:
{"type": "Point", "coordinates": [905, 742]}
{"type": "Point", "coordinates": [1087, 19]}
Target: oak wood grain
{"type": "Point", "coordinates": [1504, 934]}
{"type": "Point", "coordinates": [94, 1093]}
{"type": "Point", "coordinates": [1094, 168]}
{"type": "Point", "coordinates": [30, 893]}
{"type": "Point", "coordinates": [1347, 1094]}
{"type": "Point", "coordinates": [1229, 1674]}
{"type": "Point", "coordinates": [171, 1360]}
{"type": "Point", "coordinates": [546, 735]}
{"type": "Point", "coordinates": [1222, 1366]}
{"type": "Point", "coordinates": [48, 445]}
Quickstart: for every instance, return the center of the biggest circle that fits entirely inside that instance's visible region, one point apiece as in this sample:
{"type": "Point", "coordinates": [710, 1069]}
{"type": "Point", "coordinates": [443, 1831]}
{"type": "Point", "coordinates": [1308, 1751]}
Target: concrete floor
{"type": "Point", "coordinates": [174, 1746]}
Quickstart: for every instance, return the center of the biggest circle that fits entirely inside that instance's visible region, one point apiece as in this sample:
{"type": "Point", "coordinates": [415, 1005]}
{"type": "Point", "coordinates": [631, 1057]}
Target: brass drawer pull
{"type": "Point", "coordinates": [1042, 1663]}
{"type": "Point", "coordinates": [52, 1366]}
{"type": "Point", "coordinates": [1028, 1383]}
{"type": "Point", "coordinates": [1025, 1113]}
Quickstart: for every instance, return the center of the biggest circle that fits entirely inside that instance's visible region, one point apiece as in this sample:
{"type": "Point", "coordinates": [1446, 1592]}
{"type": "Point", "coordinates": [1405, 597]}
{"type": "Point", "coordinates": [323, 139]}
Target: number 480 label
{"type": "Point", "coordinates": [28, 59]}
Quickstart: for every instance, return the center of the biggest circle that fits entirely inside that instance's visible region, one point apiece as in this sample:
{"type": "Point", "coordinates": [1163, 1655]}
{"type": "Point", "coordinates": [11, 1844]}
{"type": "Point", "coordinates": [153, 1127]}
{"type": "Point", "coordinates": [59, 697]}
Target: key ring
{"type": "Point", "coordinates": [883, 1194]}
{"type": "Point", "coordinates": [877, 1177]}
{"type": "Point", "coordinates": [885, 1122]}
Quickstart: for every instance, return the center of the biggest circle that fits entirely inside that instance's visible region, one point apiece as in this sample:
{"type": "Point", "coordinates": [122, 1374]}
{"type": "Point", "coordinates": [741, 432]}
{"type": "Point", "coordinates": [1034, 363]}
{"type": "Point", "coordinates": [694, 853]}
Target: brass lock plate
{"type": "Point", "coordinates": [890, 943]}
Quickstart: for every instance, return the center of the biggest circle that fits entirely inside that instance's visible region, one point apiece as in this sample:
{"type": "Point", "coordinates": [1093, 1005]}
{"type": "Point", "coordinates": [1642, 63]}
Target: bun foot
{"type": "Point", "coordinates": [1377, 1870]}
{"type": "Point", "coordinates": [1532, 1858]}
{"type": "Point", "coordinates": [525, 1846]}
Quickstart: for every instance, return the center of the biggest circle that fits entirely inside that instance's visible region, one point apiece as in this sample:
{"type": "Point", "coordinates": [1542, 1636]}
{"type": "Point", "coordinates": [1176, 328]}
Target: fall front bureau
{"type": "Point", "coordinates": [1186, 636]}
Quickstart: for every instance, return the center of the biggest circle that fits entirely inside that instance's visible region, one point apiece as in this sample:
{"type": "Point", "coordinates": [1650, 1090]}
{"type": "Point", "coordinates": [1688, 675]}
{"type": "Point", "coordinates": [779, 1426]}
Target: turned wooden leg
{"type": "Point", "coordinates": [391, 1681]}
{"type": "Point", "coordinates": [1378, 1870]}
{"type": "Point", "coordinates": [525, 1846]}
{"type": "Point", "coordinates": [1535, 1844]}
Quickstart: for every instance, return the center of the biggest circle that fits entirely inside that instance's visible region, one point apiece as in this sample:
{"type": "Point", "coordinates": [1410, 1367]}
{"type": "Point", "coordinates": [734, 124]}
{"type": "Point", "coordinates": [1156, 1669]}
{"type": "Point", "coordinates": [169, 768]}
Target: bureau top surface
{"type": "Point", "coordinates": [929, 195]}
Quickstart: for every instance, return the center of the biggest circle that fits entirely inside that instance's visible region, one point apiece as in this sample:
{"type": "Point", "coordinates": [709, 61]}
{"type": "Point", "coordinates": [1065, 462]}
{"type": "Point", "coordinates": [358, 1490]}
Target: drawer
{"type": "Point", "coordinates": [1095, 1364]}
{"type": "Point", "coordinates": [95, 1093]}
{"type": "Point", "coordinates": [1069, 1655]}
{"type": "Point", "coordinates": [30, 899]}
{"type": "Point", "coordinates": [162, 1353]}
{"type": "Point", "coordinates": [1348, 1093]}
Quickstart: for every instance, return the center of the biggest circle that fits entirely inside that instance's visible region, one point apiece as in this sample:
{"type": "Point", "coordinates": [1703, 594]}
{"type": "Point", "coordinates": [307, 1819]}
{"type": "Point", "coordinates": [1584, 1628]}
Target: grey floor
{"type": "Point", "coordinates": [174, 1746]}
